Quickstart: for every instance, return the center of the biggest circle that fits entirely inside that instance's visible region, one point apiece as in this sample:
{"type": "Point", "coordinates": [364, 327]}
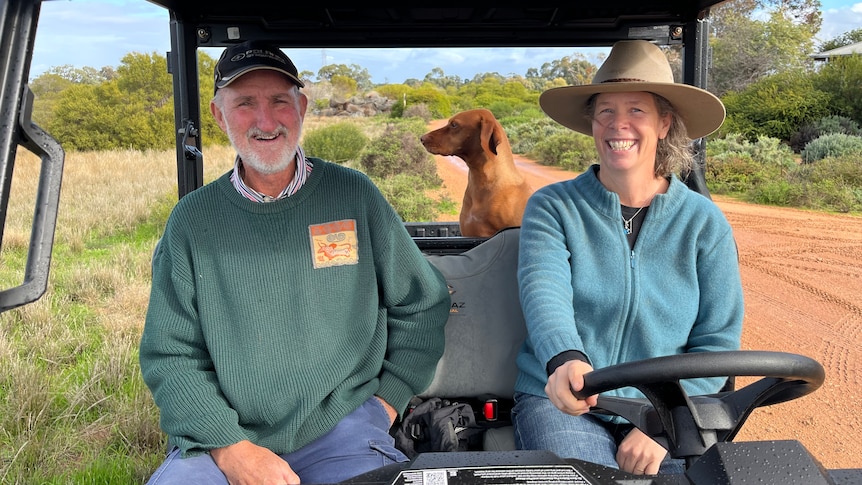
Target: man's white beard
{"type": "Point", "coordinates": [254, 161]}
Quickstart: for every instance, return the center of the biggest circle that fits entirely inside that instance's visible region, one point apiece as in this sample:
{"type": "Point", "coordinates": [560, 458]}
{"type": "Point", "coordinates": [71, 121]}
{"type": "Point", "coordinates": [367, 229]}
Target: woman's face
{"type": "Point", "coordinates": [627, 128]}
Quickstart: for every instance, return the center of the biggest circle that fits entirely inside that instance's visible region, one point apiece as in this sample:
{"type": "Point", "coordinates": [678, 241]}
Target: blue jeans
{"type": "Point", "coordinates": [539, 425]}
{"type": "Point", "coordinates": [359, 443]}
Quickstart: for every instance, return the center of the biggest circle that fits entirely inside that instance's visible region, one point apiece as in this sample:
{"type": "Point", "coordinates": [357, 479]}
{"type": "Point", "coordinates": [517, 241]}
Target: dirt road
{"type": "Point", "coordinates": [802, 278]}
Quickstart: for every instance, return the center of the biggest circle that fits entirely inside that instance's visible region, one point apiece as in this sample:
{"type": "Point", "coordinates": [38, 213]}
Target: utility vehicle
{"type": "Point", "coordinates": [482, 339]}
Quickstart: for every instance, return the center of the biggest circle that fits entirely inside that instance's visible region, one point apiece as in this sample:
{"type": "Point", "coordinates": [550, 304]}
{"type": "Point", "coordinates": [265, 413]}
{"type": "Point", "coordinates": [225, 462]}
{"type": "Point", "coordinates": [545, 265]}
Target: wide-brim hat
{"type": "Point", "coordinates": [250, 56]}
{"type": "Point", "coordinates": [635, 65]}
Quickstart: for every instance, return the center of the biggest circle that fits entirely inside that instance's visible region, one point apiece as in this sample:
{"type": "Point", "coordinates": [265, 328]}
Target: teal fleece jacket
{"type": "Point", "coordinates": [582, 288]}
{"type": "Point", "coordinates": [273, 321]}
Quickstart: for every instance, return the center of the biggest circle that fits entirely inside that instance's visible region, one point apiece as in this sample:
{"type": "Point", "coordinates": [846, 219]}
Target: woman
{"type": "Point", "coordinates": [624, 262]}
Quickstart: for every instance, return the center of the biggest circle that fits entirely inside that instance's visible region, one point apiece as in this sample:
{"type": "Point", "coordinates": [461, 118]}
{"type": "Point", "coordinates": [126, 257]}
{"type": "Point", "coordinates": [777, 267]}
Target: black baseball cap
{"type": "Point", "coordinates": [252, 55]}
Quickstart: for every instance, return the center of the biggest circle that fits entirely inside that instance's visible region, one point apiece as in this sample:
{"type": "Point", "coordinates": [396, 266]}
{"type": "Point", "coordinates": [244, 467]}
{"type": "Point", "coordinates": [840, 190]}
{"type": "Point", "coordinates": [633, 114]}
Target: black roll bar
{"type": "Point", "coordinates": [19, 19]}
{"type": "Point", "coordinates": [183, 65]}
{"type": "Point", "coordinates": [188, 34]}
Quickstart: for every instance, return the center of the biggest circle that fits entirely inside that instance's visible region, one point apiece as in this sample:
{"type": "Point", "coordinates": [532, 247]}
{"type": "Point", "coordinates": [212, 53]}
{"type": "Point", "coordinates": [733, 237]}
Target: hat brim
{"type": "Point", "coordinates": [701, 111]}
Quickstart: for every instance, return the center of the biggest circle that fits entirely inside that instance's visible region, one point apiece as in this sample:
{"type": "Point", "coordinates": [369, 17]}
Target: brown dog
{"type": "Point", "coordinates": [496, 191]}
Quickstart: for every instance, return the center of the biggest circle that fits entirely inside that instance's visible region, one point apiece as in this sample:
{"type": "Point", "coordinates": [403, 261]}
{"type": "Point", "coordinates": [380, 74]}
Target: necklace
{"type": "Point", "coordinates": [627, 223]}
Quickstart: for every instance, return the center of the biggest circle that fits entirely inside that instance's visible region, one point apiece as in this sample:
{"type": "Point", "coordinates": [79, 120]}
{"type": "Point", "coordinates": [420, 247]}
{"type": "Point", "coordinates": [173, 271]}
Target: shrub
{"type": "Point", "coordinates": [766, 150]}
{"type": "Point", "coordinates": [417, 111]}
{"type": "Point", "coordinates": [338, 143]}
{"type": "Point", "coordinates": [775, 106]}
{"type": "Point", "coordinates": [844, 170]}
{"type": "Point", "coordinates": [738, 166]}
{"type": "Point", "coordinates": [824, 194]}
{"type": "Point", "coordinates": [526, 131]}
{"type": "Point", "coordinates": [734, 174]}
{"type": "Point", "coordinates": [823, 126]}
{"type": "Point", "coordinates": [399, 151]}
{"type": "Point", "coordinates": [832, 145]}
{"type": "Point", "coordinates": [436, 100]}
{"type": "Point", "coordinates": [804, 136]}
{"type": "Point", "coordinates": [501, 108]}
{"type": "Point", "coordinates": [568, 150]}
{"type": "Point", "coordinates": [842, 78]}
{"type": "Point", "coordinates": [772, 192]}
{"type": "Point", "coordinates": [838, 124]}
{"type": "Point", "coordinates": [524, 116]}
{"type": "Point", "coordinates": [397, 110]}
{"type": "Point", "coordinates": [411, 203]}
{"type": "Point", "coordinates": [832, 184]}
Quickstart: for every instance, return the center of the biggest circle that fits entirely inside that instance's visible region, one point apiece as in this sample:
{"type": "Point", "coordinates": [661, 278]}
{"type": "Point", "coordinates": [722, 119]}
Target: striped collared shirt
{"type": "Point", "coordinates": [299, 178]}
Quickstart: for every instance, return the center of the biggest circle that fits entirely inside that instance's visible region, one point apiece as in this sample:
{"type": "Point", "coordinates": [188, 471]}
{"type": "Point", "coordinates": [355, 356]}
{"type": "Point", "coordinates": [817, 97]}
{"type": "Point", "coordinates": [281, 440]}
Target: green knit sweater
{"type": "Point", "coordinates": [273, 321]}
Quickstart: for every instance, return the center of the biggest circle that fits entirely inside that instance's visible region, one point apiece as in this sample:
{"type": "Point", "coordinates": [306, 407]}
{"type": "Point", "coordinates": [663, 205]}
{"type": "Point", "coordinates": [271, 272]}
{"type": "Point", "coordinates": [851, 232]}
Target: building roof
{"type": "Point", "coordinates": [846, 50]}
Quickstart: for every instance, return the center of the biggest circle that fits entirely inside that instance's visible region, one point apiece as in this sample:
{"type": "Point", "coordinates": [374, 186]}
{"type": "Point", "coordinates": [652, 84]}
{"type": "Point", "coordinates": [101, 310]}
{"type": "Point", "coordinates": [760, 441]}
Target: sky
{"type": "Point", "coordinates": [98, 33]}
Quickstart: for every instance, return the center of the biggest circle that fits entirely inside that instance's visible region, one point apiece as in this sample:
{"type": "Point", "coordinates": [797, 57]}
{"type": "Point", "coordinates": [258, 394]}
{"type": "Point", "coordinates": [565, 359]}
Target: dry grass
{"type": "Point", "coordinates": [73, 407]}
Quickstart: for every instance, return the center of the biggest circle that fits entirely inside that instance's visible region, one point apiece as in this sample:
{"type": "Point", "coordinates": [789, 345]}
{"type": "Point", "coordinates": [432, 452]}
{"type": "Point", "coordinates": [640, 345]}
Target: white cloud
{"type": "Point", "coordinates": [97, 34]}
{"type": "Point", "coordinates": [838, 21]}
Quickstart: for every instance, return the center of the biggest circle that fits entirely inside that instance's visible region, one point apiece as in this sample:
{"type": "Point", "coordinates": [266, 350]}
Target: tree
{"type": "Point", "coordinates": [439, 78]}
{"type": "Point", "coordinates": [82, 75]}
{"type": "Point", "coordinates": [343, 86]}
{"type": "Point", "coordinates": [746, 49]}
{"type": "Point", "coordinates": [146, 77]}
{"type": "Point", "coordinates": [431, 96]}
{"type": "Point", "coordinates": [574, 69]}
{"type": "Point", "coordinates": [846, 38]}
{"type": "Point", "coordinates": [47, 87]}
{"type": "Point", "coordinates": [88, 117]}
{"type": "Point", "coordinates": [133, 110]}
{"type": "Point", "coordinates": [46, 90]}
{"type": "Point", "coordinates": [842, 78]}
{"type": "Point", "coordinates": [210, 131]}
{"type": "Point", "coordinates": [354, 71]}
{"type": "Point", "coordinates": [776, 106]}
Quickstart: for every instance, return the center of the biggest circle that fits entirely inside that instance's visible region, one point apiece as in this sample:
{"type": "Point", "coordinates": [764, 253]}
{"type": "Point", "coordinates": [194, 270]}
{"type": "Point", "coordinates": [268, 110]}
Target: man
{"type": "Point", "coordinates": [291, 316]}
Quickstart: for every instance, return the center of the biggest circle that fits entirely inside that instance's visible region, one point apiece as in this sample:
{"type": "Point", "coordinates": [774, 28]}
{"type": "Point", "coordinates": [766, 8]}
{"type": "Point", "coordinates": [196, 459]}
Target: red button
{"type": "Point", "coordinates": [489, 410]}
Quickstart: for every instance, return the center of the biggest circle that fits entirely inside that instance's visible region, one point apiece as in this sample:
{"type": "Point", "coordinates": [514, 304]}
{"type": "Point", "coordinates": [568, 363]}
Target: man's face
{"type": "Point", "coordinates": [262, 114]}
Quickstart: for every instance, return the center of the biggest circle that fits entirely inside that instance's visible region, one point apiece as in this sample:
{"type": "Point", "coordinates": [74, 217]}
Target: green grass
{"type": "Point", "coordinates": [73, 406]}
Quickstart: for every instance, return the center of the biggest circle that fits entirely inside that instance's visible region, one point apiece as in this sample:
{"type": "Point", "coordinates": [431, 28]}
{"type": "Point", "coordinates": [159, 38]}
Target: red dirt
{"type": "Point", "coordinates": [802, 281]}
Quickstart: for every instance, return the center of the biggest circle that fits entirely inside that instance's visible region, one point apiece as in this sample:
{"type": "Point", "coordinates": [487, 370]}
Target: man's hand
{"type": "Point", "coordinates": [246, 463]}
{"type": "Point", "coordinates": [565, 379]}
{"type": "Point", "coordinates": [640, 454]}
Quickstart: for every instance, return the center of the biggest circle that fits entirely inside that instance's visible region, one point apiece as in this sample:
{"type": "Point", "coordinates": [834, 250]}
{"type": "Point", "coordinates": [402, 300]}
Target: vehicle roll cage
{"type": "Point", "coordinates": [219, 23]}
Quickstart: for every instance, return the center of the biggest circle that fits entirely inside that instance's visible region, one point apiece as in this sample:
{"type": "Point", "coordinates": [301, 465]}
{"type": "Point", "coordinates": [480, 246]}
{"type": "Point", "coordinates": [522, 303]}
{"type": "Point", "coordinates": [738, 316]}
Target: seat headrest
{"type": "Point", "coordinates": [486, 327]}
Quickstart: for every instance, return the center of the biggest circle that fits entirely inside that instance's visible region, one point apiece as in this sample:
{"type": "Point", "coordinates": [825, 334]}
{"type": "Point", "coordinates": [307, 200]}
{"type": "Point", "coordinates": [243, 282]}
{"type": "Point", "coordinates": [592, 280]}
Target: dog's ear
{"type": "Point", "coordinates": [490, 133]}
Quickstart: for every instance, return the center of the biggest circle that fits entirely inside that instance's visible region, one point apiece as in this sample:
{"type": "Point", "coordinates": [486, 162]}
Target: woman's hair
{"type": "Point", "coordinates": [674, 152]}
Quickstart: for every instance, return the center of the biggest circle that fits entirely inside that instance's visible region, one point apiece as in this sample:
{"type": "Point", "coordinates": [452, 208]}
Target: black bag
{"type": "Point", "coordinates": [437, 424]}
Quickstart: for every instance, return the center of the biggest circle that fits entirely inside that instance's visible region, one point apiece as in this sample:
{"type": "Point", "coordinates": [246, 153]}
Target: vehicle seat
{"type": "Point", "coordinates": [484, 333]}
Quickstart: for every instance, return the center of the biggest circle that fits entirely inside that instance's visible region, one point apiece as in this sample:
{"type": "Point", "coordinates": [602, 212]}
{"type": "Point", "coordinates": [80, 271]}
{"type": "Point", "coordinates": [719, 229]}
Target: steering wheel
{"type": "Point", "coordinates": [688, 425]}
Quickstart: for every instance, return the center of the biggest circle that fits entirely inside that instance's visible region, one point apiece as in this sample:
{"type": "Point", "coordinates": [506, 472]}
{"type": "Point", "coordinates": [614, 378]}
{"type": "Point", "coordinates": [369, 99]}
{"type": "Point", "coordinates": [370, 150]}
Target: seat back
{"type": "Point", "coordinates": [485, 329]}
